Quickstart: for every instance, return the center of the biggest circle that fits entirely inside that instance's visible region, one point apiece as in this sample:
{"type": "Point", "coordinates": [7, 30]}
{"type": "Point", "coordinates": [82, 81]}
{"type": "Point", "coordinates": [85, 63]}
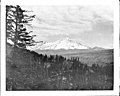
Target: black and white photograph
{"type": "Point", "coordinates": [51, 47]}
{"type": "Point", "coordinates": [59, 48]}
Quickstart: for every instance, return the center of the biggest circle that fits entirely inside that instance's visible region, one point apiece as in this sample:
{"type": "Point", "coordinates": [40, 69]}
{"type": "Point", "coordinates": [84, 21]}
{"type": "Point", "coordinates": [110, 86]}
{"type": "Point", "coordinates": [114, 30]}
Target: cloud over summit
{"type": "Point", "coordinates": [69, 20]}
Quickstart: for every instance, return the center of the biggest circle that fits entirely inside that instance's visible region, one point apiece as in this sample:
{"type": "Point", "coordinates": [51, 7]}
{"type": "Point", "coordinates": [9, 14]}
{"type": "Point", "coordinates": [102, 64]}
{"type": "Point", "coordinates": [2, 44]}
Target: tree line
{"type": "Point", "coordinates": [58, 62]}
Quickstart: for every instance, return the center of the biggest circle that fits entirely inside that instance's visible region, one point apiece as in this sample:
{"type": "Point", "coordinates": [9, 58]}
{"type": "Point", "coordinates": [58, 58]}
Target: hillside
{"type": "Point", "coordinates": [28, 70]}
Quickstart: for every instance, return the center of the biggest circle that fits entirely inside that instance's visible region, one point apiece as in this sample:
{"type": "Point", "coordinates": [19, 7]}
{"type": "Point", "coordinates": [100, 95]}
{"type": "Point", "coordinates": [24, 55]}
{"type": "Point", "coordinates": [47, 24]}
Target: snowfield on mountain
{"type": "Point", "coordinates": [66, 44]}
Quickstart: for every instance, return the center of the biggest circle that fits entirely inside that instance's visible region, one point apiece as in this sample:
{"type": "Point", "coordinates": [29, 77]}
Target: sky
{"type": "Point", "coordinates": [89, 25]}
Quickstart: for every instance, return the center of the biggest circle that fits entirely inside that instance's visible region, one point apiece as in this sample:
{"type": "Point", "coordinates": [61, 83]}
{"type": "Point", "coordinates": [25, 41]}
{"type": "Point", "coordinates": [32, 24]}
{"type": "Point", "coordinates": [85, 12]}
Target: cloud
{"type": "Point", "coordinates": [70, 21]}
{"type": "Point", "coordinates": [70, 17]}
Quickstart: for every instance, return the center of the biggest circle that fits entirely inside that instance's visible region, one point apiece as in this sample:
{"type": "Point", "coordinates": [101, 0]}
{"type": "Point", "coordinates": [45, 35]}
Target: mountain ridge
{"type": "Point", "coordinates": [66, 44]}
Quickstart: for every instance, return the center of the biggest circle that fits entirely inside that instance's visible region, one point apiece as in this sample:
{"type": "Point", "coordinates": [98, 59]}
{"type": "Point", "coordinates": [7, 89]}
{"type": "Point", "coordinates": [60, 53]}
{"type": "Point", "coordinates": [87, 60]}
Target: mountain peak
{"type": "Point", "coordinates": [65, 43]}
{"type": "Point", "coordinates": [66, 39]}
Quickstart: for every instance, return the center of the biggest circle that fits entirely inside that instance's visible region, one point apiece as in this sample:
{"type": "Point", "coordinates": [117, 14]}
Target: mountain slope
{"type": "Point", "coordinates": [60, 44]}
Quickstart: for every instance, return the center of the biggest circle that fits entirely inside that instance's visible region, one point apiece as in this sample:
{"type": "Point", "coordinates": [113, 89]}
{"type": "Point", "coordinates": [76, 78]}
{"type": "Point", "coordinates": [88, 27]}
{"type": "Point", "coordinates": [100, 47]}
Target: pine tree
{"type": "Point", "coordinates": [16, 19]}
{"type": "Point", "coordinates": [10, 19]}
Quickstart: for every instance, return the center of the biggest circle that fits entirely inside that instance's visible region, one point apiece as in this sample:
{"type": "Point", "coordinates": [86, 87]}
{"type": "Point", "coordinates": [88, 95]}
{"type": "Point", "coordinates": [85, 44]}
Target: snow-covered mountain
{"type": "Point", "coordinates": [60, 44]}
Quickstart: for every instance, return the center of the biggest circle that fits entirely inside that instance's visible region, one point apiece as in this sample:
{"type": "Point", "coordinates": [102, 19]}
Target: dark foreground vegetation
{"type": "Point", "coordinates": [28, 70]}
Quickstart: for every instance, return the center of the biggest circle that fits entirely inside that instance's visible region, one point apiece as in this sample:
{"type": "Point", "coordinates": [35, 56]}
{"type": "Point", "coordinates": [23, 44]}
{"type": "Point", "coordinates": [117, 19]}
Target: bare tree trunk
{"type": "Point", "coordinates": [16, 31]}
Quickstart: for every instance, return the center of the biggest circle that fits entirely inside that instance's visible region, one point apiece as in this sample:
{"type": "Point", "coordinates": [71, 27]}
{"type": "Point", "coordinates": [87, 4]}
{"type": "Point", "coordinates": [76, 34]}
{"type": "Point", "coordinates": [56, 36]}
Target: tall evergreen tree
{"type": "Point", "coordinates": [10, 22]}
{"type": "Point", "coordinates": [16, 31]}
